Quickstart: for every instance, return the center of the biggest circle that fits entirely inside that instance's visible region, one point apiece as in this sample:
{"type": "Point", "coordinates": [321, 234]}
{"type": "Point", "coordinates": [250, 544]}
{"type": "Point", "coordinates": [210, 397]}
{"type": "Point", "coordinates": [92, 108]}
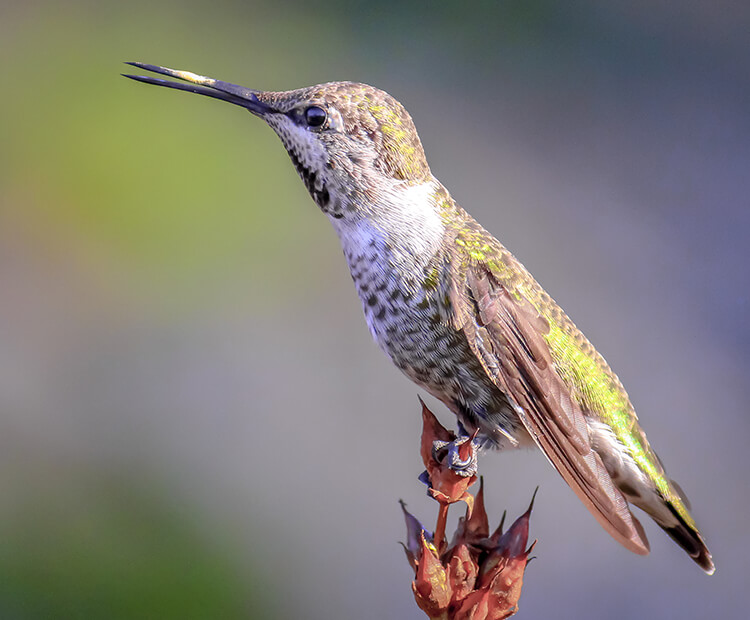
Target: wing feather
{"type": "Point", "coordinates": [507, 335]}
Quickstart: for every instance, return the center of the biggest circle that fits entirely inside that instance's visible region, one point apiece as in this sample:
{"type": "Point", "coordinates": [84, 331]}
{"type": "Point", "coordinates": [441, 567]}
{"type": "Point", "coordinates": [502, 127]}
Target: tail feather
{"type": "Point", "coordinates": [690, 539]}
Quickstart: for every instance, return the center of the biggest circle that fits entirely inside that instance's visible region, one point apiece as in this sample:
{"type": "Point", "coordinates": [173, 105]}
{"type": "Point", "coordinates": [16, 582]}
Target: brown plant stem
{"type": "Point", "coordinates": [442, 519]}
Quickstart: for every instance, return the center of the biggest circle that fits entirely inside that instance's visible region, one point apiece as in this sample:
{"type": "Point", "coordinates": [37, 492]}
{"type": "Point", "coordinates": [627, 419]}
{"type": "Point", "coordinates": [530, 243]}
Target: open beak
{"type": "Point", "coordinates": [238, 95]}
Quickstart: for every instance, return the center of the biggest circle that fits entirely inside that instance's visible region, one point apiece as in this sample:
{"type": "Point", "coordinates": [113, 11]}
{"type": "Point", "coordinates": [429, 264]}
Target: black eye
{"type": "Point", "coordinates": [315, 116]}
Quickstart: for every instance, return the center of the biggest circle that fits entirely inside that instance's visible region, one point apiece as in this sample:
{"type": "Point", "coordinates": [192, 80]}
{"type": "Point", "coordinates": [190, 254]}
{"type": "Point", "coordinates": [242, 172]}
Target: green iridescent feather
{"type": "Point", "coordinates": [588, 376]}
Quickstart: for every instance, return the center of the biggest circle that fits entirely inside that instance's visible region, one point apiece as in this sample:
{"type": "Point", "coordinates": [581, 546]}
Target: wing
{"type": "Point", "coordinates": [507, 334]}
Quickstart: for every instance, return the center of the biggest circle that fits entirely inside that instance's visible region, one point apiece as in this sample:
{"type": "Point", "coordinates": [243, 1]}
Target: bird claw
{"type": "Point", "coordinates": [449, 454]}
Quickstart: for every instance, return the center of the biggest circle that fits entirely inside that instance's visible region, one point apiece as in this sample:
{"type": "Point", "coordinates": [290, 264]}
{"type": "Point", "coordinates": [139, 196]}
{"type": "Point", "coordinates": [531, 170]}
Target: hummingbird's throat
{"type": "Point", "coordinates": [314, 185]}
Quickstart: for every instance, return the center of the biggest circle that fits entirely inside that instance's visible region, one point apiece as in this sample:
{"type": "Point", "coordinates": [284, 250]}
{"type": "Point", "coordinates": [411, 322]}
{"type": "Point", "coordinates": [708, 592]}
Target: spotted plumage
{"type": "Point", "coordinates": [454, 309]}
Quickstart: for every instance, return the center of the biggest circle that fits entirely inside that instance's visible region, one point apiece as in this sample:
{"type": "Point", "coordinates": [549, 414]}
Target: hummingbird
{"type": "Point", "coordinates": [456, 311]}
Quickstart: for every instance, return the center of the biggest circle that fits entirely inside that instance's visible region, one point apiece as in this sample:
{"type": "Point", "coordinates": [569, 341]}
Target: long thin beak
{"type": "Point", "coordinates": [202, 85]}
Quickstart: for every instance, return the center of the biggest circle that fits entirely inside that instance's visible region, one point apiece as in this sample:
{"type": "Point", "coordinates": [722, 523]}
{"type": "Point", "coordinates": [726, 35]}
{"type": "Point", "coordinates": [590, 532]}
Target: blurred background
{"type": "Point", "coordinates": [194, 422]}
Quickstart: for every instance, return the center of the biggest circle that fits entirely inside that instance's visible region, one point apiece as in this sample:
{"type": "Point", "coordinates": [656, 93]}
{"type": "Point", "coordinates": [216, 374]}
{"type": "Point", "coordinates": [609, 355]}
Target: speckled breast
{"type": "Point", "coordinates": [408, 313]}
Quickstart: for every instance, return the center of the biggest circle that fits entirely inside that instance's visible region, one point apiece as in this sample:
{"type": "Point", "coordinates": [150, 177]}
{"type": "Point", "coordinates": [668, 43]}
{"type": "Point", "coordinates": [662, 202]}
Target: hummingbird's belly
{"type": "Point", "coordinates": [413, 327]}
{"type": "Point", "coordinates": [408, 312]}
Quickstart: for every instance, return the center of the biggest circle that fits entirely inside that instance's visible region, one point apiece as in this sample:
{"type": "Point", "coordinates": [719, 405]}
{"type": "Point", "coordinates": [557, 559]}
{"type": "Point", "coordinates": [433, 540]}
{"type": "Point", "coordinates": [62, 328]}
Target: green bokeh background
{"type": "Point", "coordinates": [193, 420]}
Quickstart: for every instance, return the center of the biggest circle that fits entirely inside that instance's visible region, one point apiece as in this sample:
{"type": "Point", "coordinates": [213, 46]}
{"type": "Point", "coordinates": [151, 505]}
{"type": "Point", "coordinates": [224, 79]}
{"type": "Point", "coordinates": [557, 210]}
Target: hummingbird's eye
{"type": "Point", "coordinates": [315, 116]}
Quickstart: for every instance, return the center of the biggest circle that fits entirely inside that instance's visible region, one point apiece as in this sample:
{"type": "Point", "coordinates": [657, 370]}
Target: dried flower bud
{"type": "Point", "coordinates": [431, 588]}
{"type": "Point", "coordinates": [462, 571]}
{"type": "Point", "coordinates": [414, 533]}
{"type": "Point", "coordinates": [449, 468]}
{"type": "Point", "coordinates": [478, 576]}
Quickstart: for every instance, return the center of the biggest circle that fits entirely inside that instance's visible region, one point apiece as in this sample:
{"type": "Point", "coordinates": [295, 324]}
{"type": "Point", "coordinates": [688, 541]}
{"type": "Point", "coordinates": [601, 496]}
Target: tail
{"type": "Point", "coordinates": [671, 511]}
{"type": "Point", "coordinates": [686, 535]}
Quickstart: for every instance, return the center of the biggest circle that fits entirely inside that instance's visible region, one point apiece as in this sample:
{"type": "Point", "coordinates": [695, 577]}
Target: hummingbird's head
{"type": "Point", "coordinates": [348, 141]}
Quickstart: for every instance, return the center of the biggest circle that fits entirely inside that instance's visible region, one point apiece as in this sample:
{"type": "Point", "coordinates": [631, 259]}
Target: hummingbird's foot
{"type": "Point", "coordinates": [449, 453]}
{"type": "Point", "coordinates": [451, 462]}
